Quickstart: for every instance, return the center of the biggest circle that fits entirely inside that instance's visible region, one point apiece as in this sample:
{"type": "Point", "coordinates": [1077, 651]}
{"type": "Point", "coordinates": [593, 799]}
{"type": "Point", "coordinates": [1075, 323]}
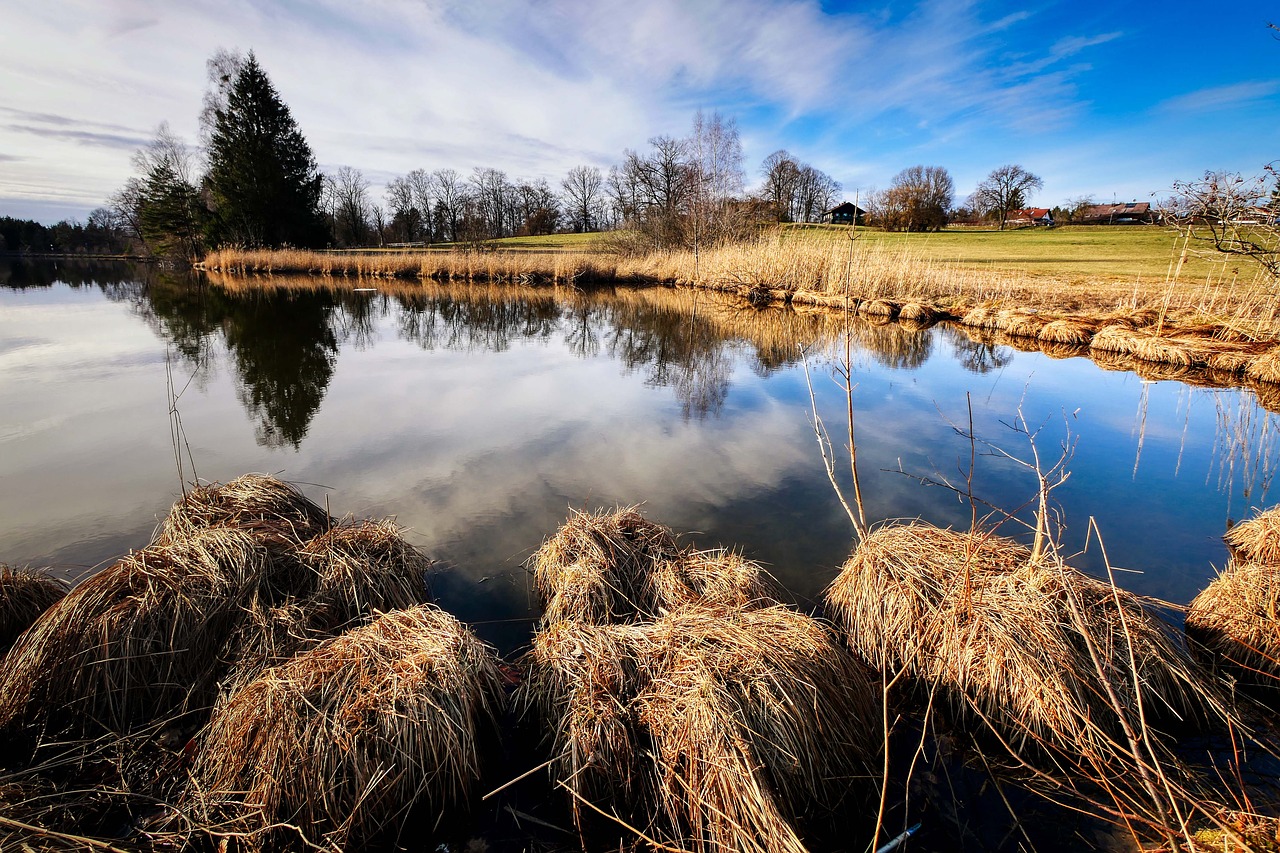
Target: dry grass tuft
{"type": "Point", "coordinates": [878, 308]}
{"type": "Point", "coordinates": [340, 743]}
{"type": "Point", "coordinates": [1235, 623]}
{"type": "Point", "coordinates": [597, 568]}
{"type": "Point", "coordinates": [1067, 331]}
{"type": "Point", "coordinates": [1009, 642]}
{"type": "Point", "coordinates": [616, 567]}
{"type": "Point", "coordinates": [139, 640]}
{"type": "Point", "coordinates": [1265, 367]}
{"type": "Point", "coordinates": [257, 504]}
{"type": "Point", "coordinates": [339, 579]}
{"type": "Point", "coordinates": [1021, 323]}
{"type": "Point", "coordinates": [709, 728]}
{"type": "Point", "coordinates": [1122, 340]}
{"type": "Point", "coordinates": [24, 595]}
{"type": "Point", "coordinates": [918, 314]}
{"type": "Point", "coordinates": [1258, 539]}
{"type": "Point", "coordinates": [362, 567]}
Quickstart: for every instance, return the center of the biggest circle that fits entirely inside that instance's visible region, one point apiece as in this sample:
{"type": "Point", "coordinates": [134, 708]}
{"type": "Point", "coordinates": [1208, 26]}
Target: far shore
{"type": "Point", "coordinates": [1218, 327]}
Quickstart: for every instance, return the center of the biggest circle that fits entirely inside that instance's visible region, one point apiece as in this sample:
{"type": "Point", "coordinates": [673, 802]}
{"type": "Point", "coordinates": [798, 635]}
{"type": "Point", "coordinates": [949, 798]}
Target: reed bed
{"type": "Point", "coordinates": [339, 745]}
{"type": "Point", "coordinates": [707, 729]}
{"type": "Point", "coordinates": [875, 278]}
{"type": "Point", "coordinates": [139, 640]}
{"type": "Point", "coordinates": [25, 594]}
{"type": "Point", "coordinates": [1011, 642]}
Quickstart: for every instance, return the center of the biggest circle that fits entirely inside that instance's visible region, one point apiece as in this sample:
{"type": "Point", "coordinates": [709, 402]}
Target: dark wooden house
{"type": "Point", "coordinates": [844, 214]}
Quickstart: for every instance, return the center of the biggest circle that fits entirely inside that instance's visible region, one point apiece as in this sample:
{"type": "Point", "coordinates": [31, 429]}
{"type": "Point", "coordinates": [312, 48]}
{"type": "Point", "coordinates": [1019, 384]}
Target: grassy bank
{"type": "Point", "coordinates": [1196, 314]}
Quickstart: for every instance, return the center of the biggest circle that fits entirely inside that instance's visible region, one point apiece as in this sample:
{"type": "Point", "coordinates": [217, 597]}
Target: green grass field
{"type": "Point", "coordinates": [1073, 252]}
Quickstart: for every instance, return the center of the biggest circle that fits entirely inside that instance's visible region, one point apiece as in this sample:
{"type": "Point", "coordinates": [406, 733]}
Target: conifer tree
{"type": "Point", "coordinates": [263, 186]}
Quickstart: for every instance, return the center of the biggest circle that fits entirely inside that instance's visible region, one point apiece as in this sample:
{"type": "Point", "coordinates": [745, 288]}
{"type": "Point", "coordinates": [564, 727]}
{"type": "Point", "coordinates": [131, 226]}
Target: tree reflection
{"type": "Point", "coordinates": [284, 348]}
{"type": "Point", "coordinates": [978, 356]}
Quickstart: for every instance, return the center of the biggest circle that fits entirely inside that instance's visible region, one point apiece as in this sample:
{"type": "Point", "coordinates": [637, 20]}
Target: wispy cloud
{"type": "Point", "coordinates": [84, 137]}
{"type": "Point", "coordinates": [1222, 97]}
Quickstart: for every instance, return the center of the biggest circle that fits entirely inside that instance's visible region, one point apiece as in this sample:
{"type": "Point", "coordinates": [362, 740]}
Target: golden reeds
{"type": "Point", "coordinates": [709, 728]}
{"type": "Point", "coordinates": [139, 640]}
{"type": "Point", "coordinates": [1257, 540]}
{"type": "Point", "coordinates": [253, 503]}
{"type": "Point", "coordinates": [24, 595]}
{"type": "Point", "coordinates": [597, 568]}
{"type": "Point", "coordinates": [1235, 623]}
{"type": "Point", "coordinates": [1009, 642]}
{"type": "Point", "coordinates": [338, 745]}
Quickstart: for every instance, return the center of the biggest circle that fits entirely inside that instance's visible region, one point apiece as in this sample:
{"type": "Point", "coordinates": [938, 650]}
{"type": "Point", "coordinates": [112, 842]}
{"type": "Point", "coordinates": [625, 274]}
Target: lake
{"type": "Point", "coordinates": [479, 417]}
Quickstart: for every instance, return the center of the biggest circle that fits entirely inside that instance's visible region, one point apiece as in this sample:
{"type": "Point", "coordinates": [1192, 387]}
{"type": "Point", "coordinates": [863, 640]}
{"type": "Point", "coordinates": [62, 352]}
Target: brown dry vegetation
{"type": "Point", "coordinates": [1066, 676]}
{"type": "Point", "coordinates": [337, 744]}
{"type": "Point", "coordinates": [1235, 621]}
{"type": "Point", "coordinates": [689, 706]}
{"type": "Point", "coordinates": [24, 595]}
{"type": "Point", "coordinates": [1227, 321]}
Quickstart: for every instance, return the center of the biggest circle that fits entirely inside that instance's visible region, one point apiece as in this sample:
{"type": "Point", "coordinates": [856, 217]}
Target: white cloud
{"type": "Point", "coordinates": [534, 89]}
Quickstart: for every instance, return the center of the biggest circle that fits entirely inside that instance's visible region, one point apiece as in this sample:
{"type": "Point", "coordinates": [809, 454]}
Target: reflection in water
{"type": "Point", "coordinates": [977, 355]}
{"type": "Point", "coordinates": [530, 400]}
{"type": "Point", "coordinates": [285, 350]}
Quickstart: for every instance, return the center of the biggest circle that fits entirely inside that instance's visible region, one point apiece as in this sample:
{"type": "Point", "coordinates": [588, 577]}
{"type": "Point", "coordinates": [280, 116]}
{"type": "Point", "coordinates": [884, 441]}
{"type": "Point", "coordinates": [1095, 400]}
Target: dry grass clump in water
{"type": "Point", "coordinates": [338, 579]}
{"type": "Point", "coordinates": [254, 503]}
{"type": "Point", "coordinates": [709, 728]}
{"type": "Point", "coordinates": [1032, 650]}
{"type": "Point", "coordinates": [24, 595]}
{"type": "Point", "coordinates": [611, 567]}
{"type": "Point", "coordinates": [914, 312]}
{"type": "Point", "coordinates": [1258, 539]}
{"type": "Point", "coordinates": [1067, 331]}
{"type": "Point", "coordinates": [362, 567]}
{"type": "Point", "coordinates": [1235, 623]}
{"type": "Point", "coordinates": [341, 742]}
{"type": "Point", "coordinates": [138, 640]}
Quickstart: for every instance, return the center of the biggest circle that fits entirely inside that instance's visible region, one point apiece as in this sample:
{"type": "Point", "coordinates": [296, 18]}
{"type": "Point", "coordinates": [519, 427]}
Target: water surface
{"type": "Point", "coordinates": [480, 416]}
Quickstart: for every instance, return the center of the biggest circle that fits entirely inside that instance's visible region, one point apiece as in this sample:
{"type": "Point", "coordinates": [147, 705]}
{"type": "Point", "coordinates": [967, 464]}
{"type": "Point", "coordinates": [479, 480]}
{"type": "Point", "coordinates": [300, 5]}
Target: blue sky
{"type": "Point", "coordinates": [1098, 98]}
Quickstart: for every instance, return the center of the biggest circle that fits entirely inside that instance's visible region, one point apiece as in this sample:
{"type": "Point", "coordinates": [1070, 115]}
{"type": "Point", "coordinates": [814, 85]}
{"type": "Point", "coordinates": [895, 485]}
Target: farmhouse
{"type": "Point", "coordinates": [1029, 216]}
{"type": "Point", "coordinates": [843, 214]}
{"type": "Point", "coordinates": [1125, 213]}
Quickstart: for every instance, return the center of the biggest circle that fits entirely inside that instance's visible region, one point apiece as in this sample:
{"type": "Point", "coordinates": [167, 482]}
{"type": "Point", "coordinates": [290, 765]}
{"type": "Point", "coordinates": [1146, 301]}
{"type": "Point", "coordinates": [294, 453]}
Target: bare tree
{"type": "Point", "coordinates": [494, 201]}
{"type": "Point", "coordinates": [715, 153]}
{"type": "Point", "coordinates": [1233, 214]}
{"type": "Point", "coordinates": [796, 191]}
{"type": "Point", "coordinates": [406, 219]}
{"type": "Point", "coordinates": [918, 199]}
{"type": "Point", "coordinates": [161, 205]}
{"type": "Point", "coordinates": [378, 221]}
{"type": "Point", "coordinates": [1006, 188]}
{"type": "Point", "coordinates": [350, 206]}
{"type": "Point", "coordinates": [781, 173]}
{"type": "Point", "coordinates": [537, 208]}
{"type": "Point", "coordinates": [450, 193]}
{"type": "Point", "coordinates": [583, 196]}
{"type": "Point", "coordinates": [659, 190]}
{"type": "Point", "coordinates": [220, 71]}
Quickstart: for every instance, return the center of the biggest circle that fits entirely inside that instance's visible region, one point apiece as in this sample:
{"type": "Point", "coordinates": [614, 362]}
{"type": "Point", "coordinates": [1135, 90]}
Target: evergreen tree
{"type": "Point", "coordinates": [263, 186]}
{"type": "Point", "coordinates": [169, 214]}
